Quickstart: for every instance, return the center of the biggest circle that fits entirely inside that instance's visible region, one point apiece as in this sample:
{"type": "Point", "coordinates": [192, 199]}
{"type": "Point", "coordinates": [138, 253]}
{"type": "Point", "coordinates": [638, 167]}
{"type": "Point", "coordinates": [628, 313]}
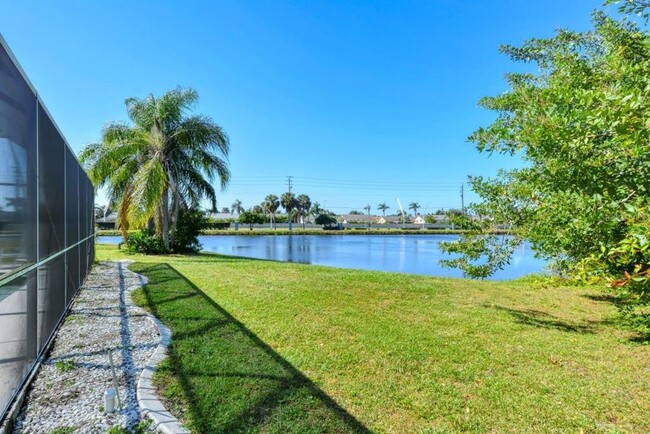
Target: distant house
{"type": "Point", "coordinates": [356, 218]}
{"type": "Point", "coordinates": [389, 219]}
{"type": "Point", "coordinates": [438, 218]}
{"type": "Point", "coordinates": [222, 216]}
{"type": "Point", "coordinates": [110, 218]}
{"type": "Point", "coordinates": [107, 222]}
{"type": "Point", "coordinates": [418, 220]}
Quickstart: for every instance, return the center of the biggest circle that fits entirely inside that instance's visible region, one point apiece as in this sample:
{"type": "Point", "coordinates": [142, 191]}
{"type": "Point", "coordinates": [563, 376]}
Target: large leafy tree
{"type": "Point", "coordinates": [581, 125]}
{"type": "Point", "coordinates": [164, 159]}
{"type": "Point", "coordinates": [251, 218]}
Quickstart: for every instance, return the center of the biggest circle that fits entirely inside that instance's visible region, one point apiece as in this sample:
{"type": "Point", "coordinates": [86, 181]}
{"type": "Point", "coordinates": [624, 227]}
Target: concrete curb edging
{"type": "Point", "coordinates": [148, 401]}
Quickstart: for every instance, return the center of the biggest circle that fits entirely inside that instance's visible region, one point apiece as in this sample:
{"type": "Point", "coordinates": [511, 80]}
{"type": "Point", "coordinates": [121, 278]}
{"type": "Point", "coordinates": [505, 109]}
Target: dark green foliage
{"type": "Point", "coordinates": [325, 219]}
{"type": "Point", "coordinates": [627, 268]}
{"type": "Point", "coordinates": [190, 224]}
{"type": "Point", "coordinates": [145, 241]}
{"type": "Point", "coordinates": [282, 218]}
{"type": "Point", "coordinates": [218, 224]}
{"type": "Point", "coordinates": [165, 159]}
{"type": "Point", "coordinates": [251, 218]}
{"type": "Point", "coordinates": [581, 126]}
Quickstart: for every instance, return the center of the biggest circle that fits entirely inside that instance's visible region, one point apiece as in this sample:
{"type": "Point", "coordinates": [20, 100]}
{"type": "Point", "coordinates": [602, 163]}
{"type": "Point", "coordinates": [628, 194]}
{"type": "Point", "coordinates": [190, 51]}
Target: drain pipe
{"type": "Point", "coordinates": [115, 384]}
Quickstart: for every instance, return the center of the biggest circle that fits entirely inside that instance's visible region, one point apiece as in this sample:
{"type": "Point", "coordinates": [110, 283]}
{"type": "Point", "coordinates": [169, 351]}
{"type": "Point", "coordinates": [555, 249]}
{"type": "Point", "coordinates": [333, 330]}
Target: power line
{"type": "Point", "coordinates": [349, 181]}
{"type": "Point", "coordinates": [462, 198]}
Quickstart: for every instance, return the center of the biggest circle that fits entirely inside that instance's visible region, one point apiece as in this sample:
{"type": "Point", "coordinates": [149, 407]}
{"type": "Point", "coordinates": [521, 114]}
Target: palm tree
{"type": "Point", "coordinates": [316, 210]}
{"type": "Point", "coordinates": [101, 211]}
{"type": "Point", "coordinates": [367, 208]}
{"type": "Point", "coordinates": [288, 202]}
{"type": "Point", "coordinates": [414, 206]}
{"type": "Point", "coordinates": [271, 204]}
{"type": "Point", "coordinates": [303, 203]}
{"type": "Point", "coordinates": [236, 207]}
{"type": "Point", "coordinates": [164, 160]}
{"type": "Point", "coordinates": [383, 207]}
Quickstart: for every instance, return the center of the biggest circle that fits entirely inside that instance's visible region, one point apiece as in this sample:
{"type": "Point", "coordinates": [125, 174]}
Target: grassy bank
{"type": "Point", "coordinates": [246, 231]}
{"type": "Point", "coordinates": [279, 347]}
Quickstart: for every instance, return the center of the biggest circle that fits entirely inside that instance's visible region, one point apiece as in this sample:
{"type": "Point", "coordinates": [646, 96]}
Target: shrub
{"type": "Point", "coordinates": [626, 266]}
{"type": "Point", "coordinates": [191, 221]}
{"type": "Point", "coordinates": [281, 218]}
{"type": "Point", "coordinates": [217, 224]}
{"type": "Point", "coordinates": [251, 218]}
{"type": "Point", "coordinates": [146, 242]}
{"type": "Point", "coordinates": [325, 220]}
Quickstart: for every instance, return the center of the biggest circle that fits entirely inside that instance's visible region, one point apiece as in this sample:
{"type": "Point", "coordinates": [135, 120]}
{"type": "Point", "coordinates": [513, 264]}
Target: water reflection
{"type": "Point", "coordinates": [415, 254]}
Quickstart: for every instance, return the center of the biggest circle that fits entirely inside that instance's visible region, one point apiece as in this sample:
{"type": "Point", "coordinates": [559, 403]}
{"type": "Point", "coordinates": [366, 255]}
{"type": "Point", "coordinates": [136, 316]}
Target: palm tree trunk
{"type": "Point", "coordinates": [174, 223]}
{"type": "Point", "coordinates": [123, 212]}
{"type": "Point", "coordinates": [175, 209]}
{"type": "Point", "coordinates": [164, 205]}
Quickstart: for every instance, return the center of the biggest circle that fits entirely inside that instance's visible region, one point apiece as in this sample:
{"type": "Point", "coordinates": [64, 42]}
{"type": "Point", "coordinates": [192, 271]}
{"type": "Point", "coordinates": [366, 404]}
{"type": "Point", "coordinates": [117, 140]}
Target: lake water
{"type": "Point", "coordinates": [414, 254]}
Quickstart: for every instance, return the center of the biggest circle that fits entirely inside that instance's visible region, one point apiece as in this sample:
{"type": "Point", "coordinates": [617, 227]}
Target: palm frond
{"type": "Point", "coordinates": [150, 183]}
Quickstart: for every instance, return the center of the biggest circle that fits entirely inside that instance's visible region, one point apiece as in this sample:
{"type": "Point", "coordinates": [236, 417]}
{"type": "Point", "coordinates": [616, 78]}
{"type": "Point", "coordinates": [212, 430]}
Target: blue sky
{"type": "Point", "coordinates": [361, 102]}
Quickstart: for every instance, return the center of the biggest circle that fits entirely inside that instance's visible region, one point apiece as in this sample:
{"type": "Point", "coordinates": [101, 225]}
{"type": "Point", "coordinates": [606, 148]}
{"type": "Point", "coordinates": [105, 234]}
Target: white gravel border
{"type": "Point", "coordinates": [66, 391]}
{"type": "Point", "coordinates": [148, 401]}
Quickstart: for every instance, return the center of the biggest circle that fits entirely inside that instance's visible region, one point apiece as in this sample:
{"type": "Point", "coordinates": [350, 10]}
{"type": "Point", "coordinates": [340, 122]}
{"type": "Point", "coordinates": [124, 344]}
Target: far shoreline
{"type": "Point", "coordinates": [318, 232]}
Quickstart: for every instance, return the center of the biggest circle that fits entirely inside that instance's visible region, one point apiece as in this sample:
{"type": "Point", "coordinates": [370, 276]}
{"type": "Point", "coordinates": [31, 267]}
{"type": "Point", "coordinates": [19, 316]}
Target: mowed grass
{"type": "Point", "coordinates": [262, 346]}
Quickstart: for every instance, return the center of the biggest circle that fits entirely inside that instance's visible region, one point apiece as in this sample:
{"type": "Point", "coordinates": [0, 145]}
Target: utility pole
{"type": "Point", "coordinates": [290, 212]}
{"type": "Point", "coordinates": [462, 199]}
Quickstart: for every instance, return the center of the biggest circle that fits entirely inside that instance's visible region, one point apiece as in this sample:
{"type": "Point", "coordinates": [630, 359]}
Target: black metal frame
{"type": "Point", "coordinates": [46, 227]}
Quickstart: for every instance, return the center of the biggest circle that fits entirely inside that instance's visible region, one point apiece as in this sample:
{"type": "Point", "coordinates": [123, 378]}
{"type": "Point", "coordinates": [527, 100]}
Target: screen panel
{"type": "Point", "coordinates": [83, 205]}
{"type": "Point", "coordinates": [83, 262]}
{"type": "Point", "coordinates": [72, 273]}
{"type": "Point", "coordinates": [51, 169]}
{"type": "Point", "coordinates": [71, 198]}
{"type": "Point", "coordinates": [46, 202]}
{"type": "Point", "coordinates": [51, 297]}
{"type": "Point", "coordinates": [91, 208]}
{"type": "Point", "coordinates": [17, 334]}
{"type": "Point", "coordinates": [17, 168]}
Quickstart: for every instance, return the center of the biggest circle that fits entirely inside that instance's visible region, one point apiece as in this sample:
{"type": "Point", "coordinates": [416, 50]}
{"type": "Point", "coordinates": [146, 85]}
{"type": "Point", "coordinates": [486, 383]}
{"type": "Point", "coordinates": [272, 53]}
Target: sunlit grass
{"type": "Point", "coordinates": [399, 353]}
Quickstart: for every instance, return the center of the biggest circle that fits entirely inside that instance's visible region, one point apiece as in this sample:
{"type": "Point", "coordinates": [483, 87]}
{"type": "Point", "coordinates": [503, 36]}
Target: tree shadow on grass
{"type": "Point", "coordinates": [225, 377]}
{"type": "Point", "coordinates": [629, 316]}
{"type": "Point", "coordinates": [538, 318]}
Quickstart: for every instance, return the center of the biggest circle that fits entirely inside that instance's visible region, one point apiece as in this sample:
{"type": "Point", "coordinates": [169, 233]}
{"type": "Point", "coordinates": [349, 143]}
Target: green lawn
{"type": "Point", "coordinates": [261, 346]}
